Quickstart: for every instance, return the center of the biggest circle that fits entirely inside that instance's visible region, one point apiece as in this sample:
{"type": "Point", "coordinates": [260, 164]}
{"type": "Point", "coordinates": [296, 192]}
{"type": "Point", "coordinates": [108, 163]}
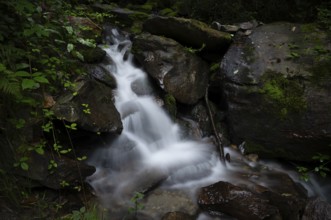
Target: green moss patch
{"type": "Point", "coordinates": [170, 105]}
{"type": "Point", "coordinates": [285, 95]}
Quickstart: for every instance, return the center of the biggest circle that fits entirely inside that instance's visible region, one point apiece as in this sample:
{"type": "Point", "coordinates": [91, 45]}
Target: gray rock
{"type": "Point", "coordinates": [317, 209]}
{"type": "Point", "coordinates": [236, 201]}
{"type": "Point", "coordinates": [67, 174]}
{"type": "Point", "coordinates": [279, 198]}
{"type": "Point", "coordinates": [179, 72]}
{"type": "Point", "coordinates": [277, 89]}
{"type": "Point", "coordinates": [92, 108]}
{"type": "Point", "coordinates": [177, 216]}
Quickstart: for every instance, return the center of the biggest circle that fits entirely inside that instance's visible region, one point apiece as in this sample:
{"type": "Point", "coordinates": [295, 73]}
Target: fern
{"type": "Point", "coordinates": [8, 87]}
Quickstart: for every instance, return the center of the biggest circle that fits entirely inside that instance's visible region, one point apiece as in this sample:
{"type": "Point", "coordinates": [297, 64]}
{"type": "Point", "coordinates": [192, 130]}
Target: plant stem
{"type": "Point", "coordinates": [219, 147]}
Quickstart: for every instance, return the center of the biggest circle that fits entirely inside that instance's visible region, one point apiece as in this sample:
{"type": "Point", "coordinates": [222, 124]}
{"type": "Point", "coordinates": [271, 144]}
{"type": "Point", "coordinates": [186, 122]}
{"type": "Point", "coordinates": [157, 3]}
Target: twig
{"type": "Point", "coordinates": [220, 148]}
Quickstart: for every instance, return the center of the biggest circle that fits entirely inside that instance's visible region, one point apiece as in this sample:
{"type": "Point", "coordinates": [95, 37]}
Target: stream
{"type": "Point", "coordinates": [153, 156]}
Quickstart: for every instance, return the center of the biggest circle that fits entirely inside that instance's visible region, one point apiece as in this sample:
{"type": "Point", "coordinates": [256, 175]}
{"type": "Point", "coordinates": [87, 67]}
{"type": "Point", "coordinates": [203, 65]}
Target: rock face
{"type": "Point", "coordinates": [252, 201]}
{"type": "Point", "coordinates": [179, 72]}
{"type": "Point", "coordinates": [188, 32]}
{"type": "Point", "coordinates": [277, 89]}
{"type": "Point", "coordinates": [92, 108]}
{"type": "Point", "coordinates": [236, 201]}
{"type": "Point", "coordinates": [56, 172]}
{"type": "Point", "coordinates": [317, 209]}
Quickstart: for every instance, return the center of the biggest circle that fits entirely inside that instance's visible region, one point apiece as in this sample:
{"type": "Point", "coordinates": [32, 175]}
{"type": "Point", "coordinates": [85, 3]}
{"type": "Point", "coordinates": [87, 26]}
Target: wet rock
{"type": "Point", "coordinates": [236, 201]}
{"type": "Point", "coordinates": [166, 204]}
{"type": "Point", "coordinates": [182, 30]}
{"type": "Point", "coordinates": [317, 209]}
{"type": "Point", "coordinates": [101, 74]}
{"type": "Point", "coordinates": [177, 71]}
{"type": "Point", "coordinates": [177, 216]}
{"type": "Point", "coordinates": [56, 172]}
{"type": "Point", "coordinates": [276, 91]}
{"type": "Point", "coordinates": [225, 27]}
{"type": "Point", "coordinates": [93, 55]}
{"type": "Point", "coordinates": [270, 193]}
{"type": "Point", "coordinates": [92, 108]}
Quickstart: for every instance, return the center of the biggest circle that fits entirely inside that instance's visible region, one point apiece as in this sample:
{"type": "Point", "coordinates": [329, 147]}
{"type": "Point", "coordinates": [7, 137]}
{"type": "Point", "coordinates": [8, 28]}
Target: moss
{"type": "Point", "coordinates": [308, 28]}
{"type": "Point", "coordinates": [214, 67]}
{"type": "Point", "coordinates": [285, 95]}
{"type": "Point", "coordinates": [141, 16]}
{"type": "Point", "coordinates": [168, 12]}
{"type": "Point", "coordinates": [249, 51]}
{"type": "Point", "coordinates": [170, 105]}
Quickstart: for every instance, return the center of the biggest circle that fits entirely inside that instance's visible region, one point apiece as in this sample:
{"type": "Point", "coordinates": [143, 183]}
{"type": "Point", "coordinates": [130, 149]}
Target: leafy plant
{"type": "Point", "coordinates": [321, 168]}
{"type": "Point", "coordinates": [136, 203]}
{"type": "Point", "coordinates": [84, 214]}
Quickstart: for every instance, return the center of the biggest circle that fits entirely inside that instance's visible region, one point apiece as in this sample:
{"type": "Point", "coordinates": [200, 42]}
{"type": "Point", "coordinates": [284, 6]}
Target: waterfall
{"type": "Point", "coordinates": [151, 148]}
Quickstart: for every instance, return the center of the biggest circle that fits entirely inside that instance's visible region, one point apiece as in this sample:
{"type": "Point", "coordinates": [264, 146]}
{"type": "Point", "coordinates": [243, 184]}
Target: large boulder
{"type": "Point", "coordinates": [56, 172]}
{"type": "Point", "coordinates": [237, 202]}
{"type": "Point", "coordinates": [188, 32]}
{"type": "Point", "coordinates": [253, 201]}
{"type": "Point", "coordinates": [180, 73]}
{"type": "Point", "coordinates": [277, 91]}
{"type": "Point", "coordinates": [91, 107]}
{"type": "Point", "coordinates": [317, 209]}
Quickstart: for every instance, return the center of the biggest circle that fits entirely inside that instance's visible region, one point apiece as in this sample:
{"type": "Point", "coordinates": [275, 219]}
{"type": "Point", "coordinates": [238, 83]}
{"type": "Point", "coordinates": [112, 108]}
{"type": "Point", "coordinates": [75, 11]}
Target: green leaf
{"type": "Point", "coordinates": [24, 166]}
{"type": "Point", "coordinates": [69, 29]}
{"type": "Point", "coordinates": [29, 84]}
{"type": "Point", "coordinates": [22, 66]}
{"type": "Point", "coordinates": [83, 209]}
{"type": "Point", "coordinates": [22, 74]}
{"type": "Point", "coordinates": [70, 47]}
{"type": "Point", "coordinates": [2, 67]}
{"type": "Point", "coordinates": [41, 79]}
{"type": "Point", "coordinates": [40, 151]}
{"type": "Point", "coordinates": [87, 42]}
{"type": "Point", "coordinates": [20, 123]}
{"type": "Point", "coordinates": [79, 56]}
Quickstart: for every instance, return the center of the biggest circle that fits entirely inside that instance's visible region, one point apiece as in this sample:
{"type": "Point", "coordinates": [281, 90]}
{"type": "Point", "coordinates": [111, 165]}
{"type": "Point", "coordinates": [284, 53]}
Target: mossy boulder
{"type": "Point", "coordinates": [189, 32]}
{"type": "Point", "coordinates": [91, 107]}
{"type": "Point", "coordinates": [278, 92]}
{"type": "Point", "coordinates": [177, 71]}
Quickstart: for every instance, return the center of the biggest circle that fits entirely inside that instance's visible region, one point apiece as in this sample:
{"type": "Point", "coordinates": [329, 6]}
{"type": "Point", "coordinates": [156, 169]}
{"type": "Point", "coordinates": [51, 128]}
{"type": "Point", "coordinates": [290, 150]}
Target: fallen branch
{"type": "Point", "coordinates": [219, 147]}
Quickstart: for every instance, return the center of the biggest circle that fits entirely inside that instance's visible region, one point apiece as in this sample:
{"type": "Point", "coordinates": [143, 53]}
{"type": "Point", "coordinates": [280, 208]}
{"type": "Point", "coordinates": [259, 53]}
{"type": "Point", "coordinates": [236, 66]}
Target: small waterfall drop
{"type": "Point", "coordinates": [151, 147]}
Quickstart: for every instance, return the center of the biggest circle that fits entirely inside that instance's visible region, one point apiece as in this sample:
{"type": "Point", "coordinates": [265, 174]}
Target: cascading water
{"type": "Point", "coordinates": [151, 149]}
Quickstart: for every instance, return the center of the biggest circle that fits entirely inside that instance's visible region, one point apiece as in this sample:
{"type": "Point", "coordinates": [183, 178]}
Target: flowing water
{"type": "Point", "coordinates": [151, 149]}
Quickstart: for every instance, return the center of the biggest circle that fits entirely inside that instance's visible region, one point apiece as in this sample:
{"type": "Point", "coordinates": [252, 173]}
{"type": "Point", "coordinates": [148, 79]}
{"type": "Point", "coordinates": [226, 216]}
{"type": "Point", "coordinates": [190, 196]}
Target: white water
{"type": "Point", "coordinates": [151, 148]}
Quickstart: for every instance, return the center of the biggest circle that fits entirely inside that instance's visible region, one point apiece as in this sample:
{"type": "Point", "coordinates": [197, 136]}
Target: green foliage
{"type": "Point", "coordinates": [86, 108]}
{"type": "Point", "coordinates": [321, 167]}
{"type": "Point", "coordinates": [170, 105]}
{"type": "Point", "coordinates": [286, 95]}
{"type": "Point", "coordinates": [84, 214]}
{"type": "Point", "coordinates": [136, 203]}
{"type": "Point", "coordinates": [324, 16]}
